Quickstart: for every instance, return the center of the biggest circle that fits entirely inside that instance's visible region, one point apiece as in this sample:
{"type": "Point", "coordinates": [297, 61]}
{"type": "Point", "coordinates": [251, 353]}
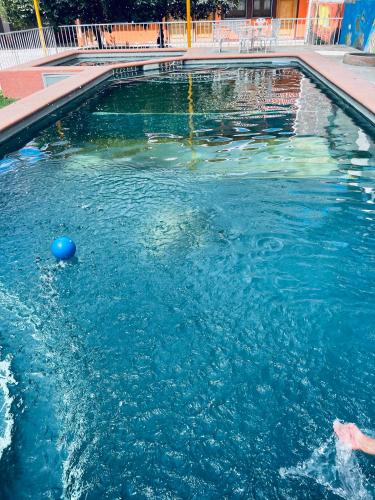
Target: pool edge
{"type": "Point", "coordinates": [358, 93]}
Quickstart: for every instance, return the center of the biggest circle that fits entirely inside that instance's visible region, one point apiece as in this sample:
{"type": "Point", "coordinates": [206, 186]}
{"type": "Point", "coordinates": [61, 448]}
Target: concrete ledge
{"type": "Point", "coordinates": [16, 117]}
{"type": "Point", "coordinates": [360, 59]}
{"type": "Point", "coordinates": [43, 61]}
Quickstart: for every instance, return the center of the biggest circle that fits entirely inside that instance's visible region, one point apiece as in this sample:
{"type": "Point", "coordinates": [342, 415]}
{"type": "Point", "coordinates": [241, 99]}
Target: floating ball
{"type": "Point", "coordinates": [31, 152]}
{"type": "Point", "coordinates": [63, 248]}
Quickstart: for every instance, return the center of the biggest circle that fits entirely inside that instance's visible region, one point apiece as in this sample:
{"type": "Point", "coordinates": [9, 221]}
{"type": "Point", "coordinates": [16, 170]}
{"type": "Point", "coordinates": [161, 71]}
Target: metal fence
{"type": "Point", "coordinates": [222, 33]}
{"type": "Point", "coordinates": [122, 35]}
{"type": "Point", "coordinates": [18, 47]}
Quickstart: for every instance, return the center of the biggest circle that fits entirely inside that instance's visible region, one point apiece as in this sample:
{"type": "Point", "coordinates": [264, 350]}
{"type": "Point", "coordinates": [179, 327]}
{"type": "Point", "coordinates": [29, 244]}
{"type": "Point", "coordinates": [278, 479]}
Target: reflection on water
{"type": "Point", "coordinates": [219, 315]}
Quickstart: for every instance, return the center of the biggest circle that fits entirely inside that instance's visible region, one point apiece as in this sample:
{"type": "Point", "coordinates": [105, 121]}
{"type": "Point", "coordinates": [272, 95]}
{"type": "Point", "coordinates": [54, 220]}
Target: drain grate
{"type": "Point", "coordinates": [169, 66]}
{"type": "Point", "coordinates": [129, 71]}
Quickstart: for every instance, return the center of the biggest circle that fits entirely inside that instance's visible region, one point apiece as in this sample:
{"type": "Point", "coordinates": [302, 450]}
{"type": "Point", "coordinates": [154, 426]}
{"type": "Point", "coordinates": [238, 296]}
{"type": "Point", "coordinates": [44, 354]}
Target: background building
{"type": "Point", "coordinates": [287, 9]}
{"type": "Point", "coordinates": [358, 29]}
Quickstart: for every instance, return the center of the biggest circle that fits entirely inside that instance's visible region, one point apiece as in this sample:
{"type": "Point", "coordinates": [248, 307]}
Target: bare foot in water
{"type": "Point", "coordinates": [353, 437]}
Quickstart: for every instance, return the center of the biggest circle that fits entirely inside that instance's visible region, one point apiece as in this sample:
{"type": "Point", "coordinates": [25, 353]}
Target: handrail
{"type": "Point", "coordinates": [109, 36]}
{"type": "Point", "coordinates": [18, 47]}
{"type": "Point", "coordinates": [21, 46]}
{"type": "Point", "coordinates": [242, 20]}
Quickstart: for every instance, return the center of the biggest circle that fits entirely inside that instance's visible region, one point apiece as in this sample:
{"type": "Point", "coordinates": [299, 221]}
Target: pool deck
{"type": "Point", "coordinates": [354, 83]}
{"type": "Point", "coordinates": [334, 53]}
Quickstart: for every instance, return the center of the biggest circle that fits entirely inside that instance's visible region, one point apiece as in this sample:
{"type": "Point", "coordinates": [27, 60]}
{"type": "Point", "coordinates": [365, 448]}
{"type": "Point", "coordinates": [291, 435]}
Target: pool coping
{"type": "Point", "coordinates": [18, 116]}
{"type": "Point", "coordinates": [43, 62]}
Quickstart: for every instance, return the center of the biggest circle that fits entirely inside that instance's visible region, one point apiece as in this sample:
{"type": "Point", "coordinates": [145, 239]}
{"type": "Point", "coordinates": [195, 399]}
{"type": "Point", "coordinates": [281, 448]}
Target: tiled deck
{"type": "Point", "coordinates": [336, 53]}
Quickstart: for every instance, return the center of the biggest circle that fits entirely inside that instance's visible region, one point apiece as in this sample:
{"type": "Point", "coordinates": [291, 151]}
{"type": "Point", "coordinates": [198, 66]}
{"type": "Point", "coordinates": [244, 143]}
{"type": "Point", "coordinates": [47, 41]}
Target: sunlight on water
{"type": "Point", "coordinates": [6, 417]}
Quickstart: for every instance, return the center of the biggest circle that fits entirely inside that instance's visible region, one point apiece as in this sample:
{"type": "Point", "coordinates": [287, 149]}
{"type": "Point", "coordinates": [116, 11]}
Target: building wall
{"type": "Point", "coordinates": [358, 28]}
{"type": "Point", "coordinates": [279, 8]}
{"type": "Point", "coordinates": [286, 8]}
{"type": "Point", "coordinates": [303, 7]}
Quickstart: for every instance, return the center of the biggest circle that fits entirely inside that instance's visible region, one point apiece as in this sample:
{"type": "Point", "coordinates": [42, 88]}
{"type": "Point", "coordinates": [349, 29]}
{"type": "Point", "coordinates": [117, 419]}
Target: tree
{"type": "Point", "coordinates": [3, 13]}
{"type": "Point", "coordinates": [21, 14]}
{"type": "Point", "coordinates": [60, 12]}
{"type": "Point", "coordinates": [156, 10]}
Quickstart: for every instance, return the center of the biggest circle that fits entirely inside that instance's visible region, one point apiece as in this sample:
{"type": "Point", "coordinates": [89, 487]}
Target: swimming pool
{"type": "Point", "coordinates": [219, 314]}
{"type": "Point", "coordinates": [99, 59]}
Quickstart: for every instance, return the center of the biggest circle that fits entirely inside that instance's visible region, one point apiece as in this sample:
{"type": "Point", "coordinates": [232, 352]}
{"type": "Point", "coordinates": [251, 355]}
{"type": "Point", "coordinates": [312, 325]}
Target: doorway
{"type": "Point", "coordinates": [286, 9]}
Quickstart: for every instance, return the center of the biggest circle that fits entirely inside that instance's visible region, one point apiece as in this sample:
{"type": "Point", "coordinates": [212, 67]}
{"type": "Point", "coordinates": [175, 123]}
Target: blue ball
{"type": "Point", "coordinates": [31, 152]}
{"type": "Point", "coordinates": [63, 248]}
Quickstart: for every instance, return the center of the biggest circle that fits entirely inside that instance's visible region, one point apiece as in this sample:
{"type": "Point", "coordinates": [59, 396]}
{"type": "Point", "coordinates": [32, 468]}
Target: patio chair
{"type": "Point", "coordinates": [225, 35]}
{"type": "Point", "coordinates": [260, 21]}
{"type": "Point", "coordinates": [274, 35]}
{"type": "Point", "coordinates": [265, 35]}
{"type": "Point", "coordinates": [228, 32]}
{"type": "Point", "coordinates": [247, 38]}
{"type": "Point", "coordinates": [253, 36]}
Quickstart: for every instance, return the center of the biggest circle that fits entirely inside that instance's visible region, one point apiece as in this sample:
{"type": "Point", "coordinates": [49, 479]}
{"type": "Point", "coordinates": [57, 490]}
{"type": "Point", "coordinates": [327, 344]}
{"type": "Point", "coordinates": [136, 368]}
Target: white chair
{"type": "Point", "coordinates": [261, 21]}
{"type": "Point", "coordinates": [246, 38]}
{"type": "Point", "coordinates": [229, 32]}
{"type": "Point", "coordinates": [253, 36]}
{"type": "Point", "coordinates": [269, 34]}
{"type": "Point", "coordinates": [274, 35]}
{"type": "Point", "coordinates": [261, 28]}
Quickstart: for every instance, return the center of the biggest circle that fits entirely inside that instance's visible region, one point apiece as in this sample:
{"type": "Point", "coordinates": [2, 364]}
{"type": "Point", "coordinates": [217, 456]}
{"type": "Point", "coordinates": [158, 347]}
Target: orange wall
{"type": "Point", "coordinates": [302, 8]}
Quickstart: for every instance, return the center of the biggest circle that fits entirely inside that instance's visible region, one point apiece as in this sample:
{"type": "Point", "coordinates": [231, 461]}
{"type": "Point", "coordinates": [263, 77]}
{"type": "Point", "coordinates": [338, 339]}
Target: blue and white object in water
{"type": "Point", "coordinates": [31, 152]}
{"type": "Point", "coordinates": [63, 248]}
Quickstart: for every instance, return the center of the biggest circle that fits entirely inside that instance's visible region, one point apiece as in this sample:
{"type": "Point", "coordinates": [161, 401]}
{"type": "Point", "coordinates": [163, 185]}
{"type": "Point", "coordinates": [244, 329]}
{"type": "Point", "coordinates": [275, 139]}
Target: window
{"type": "Point", "coordinates": [262, 8]}
{"type": "Point", "coordinates": [240, 11]}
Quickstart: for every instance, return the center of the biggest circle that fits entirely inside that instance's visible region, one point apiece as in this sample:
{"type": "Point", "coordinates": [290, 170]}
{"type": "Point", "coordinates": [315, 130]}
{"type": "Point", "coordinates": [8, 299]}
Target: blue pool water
{"type": "Point", "coordinates": [219, 313]}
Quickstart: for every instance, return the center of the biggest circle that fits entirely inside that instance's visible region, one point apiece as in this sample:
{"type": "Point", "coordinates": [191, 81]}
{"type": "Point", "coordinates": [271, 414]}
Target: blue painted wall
{"type": "Point", "coordinates": [358, 29]}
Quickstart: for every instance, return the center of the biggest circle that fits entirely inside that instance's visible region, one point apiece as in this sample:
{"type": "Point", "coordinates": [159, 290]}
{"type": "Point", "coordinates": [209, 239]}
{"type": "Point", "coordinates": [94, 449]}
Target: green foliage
{"type": "Point", "coordinates": [20, 13]}
{"type": "Point", "coordinates": [155, 10]}
{"type": "Point", "coordinates": [4, 101]}
{"type": "Point", "coordinates": [3, 13]}
{"type": "Point", "coordinates": [60, 12]}
{"type": "Point", "coordinates": [56, 12]}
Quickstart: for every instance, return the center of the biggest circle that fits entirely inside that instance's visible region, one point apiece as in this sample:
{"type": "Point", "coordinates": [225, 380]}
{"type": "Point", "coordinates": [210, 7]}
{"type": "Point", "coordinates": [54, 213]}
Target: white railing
{"type": "Point", "coordinates": [18, 47]}
{"type": "Point", "coordinates": [284, 32]}
{"type": "Point", "coordinates": [122, 35]}
{"type": "Point", "coordinates": [223, 33]}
